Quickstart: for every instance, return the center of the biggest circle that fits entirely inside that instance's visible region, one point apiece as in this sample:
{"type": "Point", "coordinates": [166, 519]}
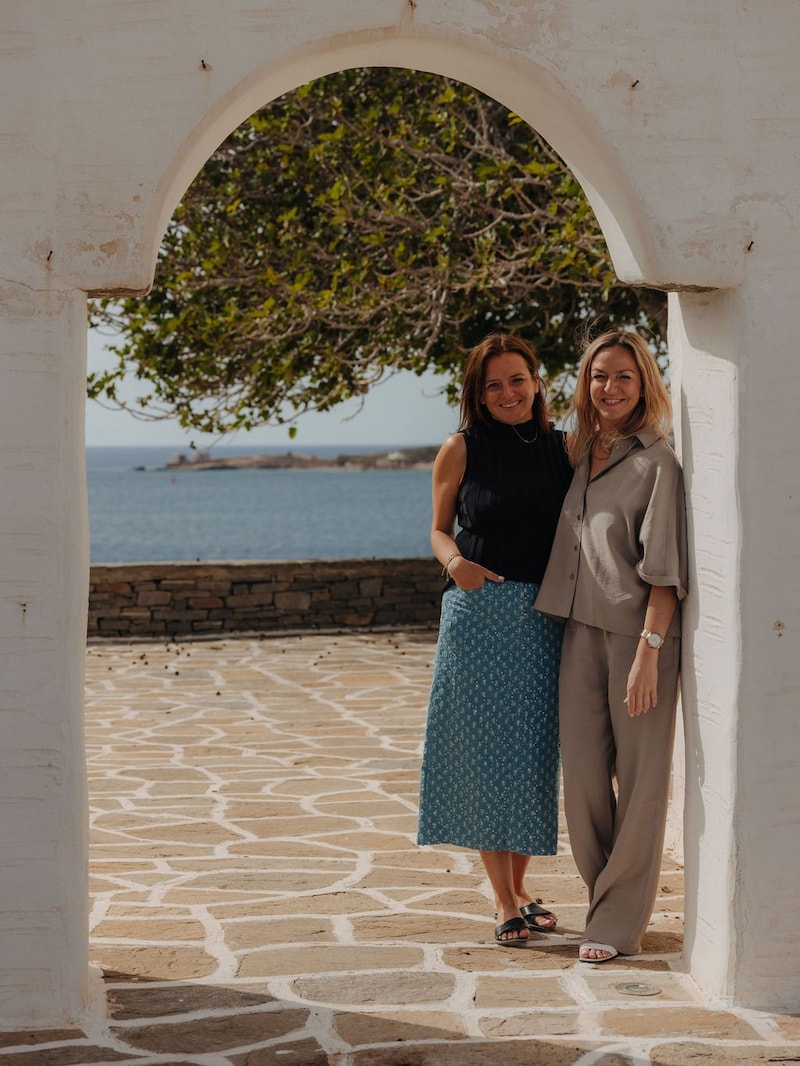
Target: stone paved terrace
{"type": "Point", "coordinates": [257, 897]}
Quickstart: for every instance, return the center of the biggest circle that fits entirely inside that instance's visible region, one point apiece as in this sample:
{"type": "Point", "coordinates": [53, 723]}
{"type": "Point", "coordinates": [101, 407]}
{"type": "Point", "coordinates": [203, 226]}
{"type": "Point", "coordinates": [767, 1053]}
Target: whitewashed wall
{"type": "Point", "coordinates": [680, 117]}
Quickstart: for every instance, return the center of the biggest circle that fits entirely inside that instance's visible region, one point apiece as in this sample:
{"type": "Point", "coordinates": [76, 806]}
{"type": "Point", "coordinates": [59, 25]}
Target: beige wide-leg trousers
{"type": "Point", "coordinates": [616, 833]}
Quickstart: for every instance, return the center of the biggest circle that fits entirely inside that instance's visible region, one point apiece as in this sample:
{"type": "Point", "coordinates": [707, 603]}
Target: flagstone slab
{"type": "Point", "coordinates": [339, 959]}
{"type": "Point", "coordinates": [150, 927]}
{"type": "Point", "coordinates": [658, 1021]}
{"type": "Point", "coordinates": [392, 988]}
{"type": "Point", "coordinates": [244, 935]}
{"type": "Point", "coordinates": [531, 1023]}
{"type": "Point", "coordinates": [506, 992]}
{"type": "Point", "coordinates": [153, 963]}
{"type": "Point", "coordinates": [672, 987]}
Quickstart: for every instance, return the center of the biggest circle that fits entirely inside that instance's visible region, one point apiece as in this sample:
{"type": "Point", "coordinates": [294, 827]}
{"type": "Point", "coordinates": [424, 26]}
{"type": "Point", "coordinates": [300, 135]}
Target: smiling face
{"type": "Point", "coordinates": [509, 388]}
{"type": "Point", "coordinates": [615, 387]}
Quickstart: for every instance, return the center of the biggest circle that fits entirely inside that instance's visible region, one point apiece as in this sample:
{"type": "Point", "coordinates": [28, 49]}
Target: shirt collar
{"type": "Point", "coordinates": [646, 437]}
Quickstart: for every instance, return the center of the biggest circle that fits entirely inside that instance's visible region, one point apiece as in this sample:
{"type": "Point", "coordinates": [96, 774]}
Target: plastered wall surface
{"type": "Point", "coordinates": [680, 117]}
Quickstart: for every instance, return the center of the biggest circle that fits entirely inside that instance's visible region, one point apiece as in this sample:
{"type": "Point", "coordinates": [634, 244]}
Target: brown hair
{"type": "Point", "coordinates": [653, 413]}
{"type": "Point", "coordinates": [473, 412]}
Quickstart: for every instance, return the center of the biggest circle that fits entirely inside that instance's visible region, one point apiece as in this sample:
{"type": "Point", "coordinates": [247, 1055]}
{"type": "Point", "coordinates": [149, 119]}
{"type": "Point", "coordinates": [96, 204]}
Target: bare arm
{"type": "Point", "coordinates": [643, 678]}
{"type": "Point", "coordinates": [448, 470]}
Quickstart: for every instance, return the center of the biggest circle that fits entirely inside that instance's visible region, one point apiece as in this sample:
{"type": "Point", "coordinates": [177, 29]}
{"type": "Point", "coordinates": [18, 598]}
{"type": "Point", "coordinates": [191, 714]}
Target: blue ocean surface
{"type": "Point", "coordinates": [141, 512]}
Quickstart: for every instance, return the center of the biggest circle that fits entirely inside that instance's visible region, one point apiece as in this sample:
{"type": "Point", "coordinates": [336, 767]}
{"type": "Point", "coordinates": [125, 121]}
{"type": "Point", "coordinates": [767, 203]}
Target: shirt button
{"type": "Point", "coordinates": [572, 577]}
{"type": "Point", "coordinates": [574, 547]}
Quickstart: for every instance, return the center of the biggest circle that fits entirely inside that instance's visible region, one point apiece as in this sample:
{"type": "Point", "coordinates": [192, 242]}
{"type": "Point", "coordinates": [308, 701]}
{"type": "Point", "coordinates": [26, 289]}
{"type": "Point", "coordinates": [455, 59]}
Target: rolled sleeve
{"type": "Point", "coordinates": [663, 531]}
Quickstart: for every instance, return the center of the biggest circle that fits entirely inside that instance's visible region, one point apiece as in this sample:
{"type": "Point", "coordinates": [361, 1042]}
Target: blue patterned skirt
{"type": "Point", "coordinates": [489, 777]}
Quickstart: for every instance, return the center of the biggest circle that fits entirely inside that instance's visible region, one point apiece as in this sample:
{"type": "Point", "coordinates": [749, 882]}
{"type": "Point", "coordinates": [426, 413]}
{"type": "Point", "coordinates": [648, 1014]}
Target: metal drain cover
{"type": "Point", "coordinates": [636, 988]}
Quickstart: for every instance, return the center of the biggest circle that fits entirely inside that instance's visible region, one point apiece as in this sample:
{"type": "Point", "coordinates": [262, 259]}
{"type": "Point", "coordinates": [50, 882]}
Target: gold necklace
{"type": "Point", "coordinates": [524, 439]}
{"type": "Point", "coordinates": [602, 446]}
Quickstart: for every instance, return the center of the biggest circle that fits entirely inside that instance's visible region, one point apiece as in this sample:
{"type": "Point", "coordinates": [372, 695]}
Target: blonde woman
{"type": "Point", "coordinates": [617, 574]}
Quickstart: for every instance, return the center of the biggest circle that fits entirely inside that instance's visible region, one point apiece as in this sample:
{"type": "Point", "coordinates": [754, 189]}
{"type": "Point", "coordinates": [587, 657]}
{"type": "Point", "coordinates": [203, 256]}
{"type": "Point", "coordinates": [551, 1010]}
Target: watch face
{"type": "Point", "coordinates": [654, 640]}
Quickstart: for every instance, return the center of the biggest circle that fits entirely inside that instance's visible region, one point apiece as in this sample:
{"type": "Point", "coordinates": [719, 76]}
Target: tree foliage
{"type": "Point", "coordinates": [375, 220]}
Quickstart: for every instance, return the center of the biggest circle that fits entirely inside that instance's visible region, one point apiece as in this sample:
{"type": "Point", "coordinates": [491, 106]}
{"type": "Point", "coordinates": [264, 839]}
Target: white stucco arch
{"type": "Point", "coordinates": [525, 88]}
{"type": "Point", "coordinates": [674, 118]}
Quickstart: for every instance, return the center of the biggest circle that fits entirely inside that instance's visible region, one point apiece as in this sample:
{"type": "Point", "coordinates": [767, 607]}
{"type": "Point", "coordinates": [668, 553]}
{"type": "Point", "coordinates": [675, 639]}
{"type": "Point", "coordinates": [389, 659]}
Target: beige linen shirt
{"type": "Point", "coordinates": [619, 533]}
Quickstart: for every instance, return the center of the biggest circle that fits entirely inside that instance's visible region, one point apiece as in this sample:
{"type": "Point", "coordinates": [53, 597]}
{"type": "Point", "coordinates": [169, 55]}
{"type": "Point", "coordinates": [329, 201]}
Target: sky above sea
{"type": "Point", "coordinates": [404, 409]}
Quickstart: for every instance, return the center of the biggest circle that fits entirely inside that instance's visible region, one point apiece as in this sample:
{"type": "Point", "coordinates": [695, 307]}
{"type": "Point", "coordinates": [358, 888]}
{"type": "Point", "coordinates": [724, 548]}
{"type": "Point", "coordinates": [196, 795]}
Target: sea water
{"type": "Point", "coordinates": [141, 512]}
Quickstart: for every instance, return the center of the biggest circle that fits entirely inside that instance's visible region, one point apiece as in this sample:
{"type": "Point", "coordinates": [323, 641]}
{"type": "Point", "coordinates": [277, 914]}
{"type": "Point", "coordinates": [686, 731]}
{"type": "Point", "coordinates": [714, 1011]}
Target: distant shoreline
{"type": "Point", "coordinates": [415, 458]}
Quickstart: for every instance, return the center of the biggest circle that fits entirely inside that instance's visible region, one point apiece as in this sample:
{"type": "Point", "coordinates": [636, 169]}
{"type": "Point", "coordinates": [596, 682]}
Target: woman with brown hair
{"type": "Point", "coordinates": [490, 767]}
{"type": "Point", "coordinates": [617, 574]}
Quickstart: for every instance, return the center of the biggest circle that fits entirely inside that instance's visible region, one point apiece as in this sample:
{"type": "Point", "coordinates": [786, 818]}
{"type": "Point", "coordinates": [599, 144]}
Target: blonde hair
{"type": "Point", "coordinates": [653, 412]}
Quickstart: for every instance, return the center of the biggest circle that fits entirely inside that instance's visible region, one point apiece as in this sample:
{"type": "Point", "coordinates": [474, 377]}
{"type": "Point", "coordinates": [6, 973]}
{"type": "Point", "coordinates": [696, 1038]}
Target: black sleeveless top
{"type": "Point", "coordinates": [510, 498]}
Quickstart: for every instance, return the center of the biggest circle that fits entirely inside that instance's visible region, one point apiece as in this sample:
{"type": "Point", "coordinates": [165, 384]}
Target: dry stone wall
{"type": "Point", "coordinates": [185, 599]}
